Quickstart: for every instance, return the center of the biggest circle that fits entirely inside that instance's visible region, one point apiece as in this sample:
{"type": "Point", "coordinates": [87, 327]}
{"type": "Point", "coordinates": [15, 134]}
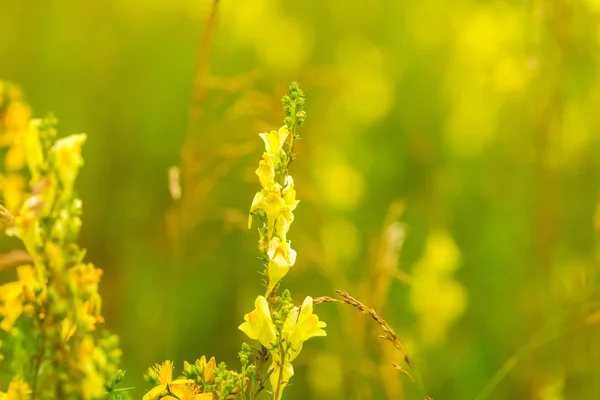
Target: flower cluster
{"type": "Point", "coordinates": [202, 381]}
{"type": "Point", "coordinates": [275, 203]}
{"type": "Point", "coordinates": [48, 316]}
{"type": "Point", "coordinates": [279, 326]}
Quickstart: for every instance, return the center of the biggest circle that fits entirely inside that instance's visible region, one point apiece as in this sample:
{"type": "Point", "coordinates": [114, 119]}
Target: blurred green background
{"type": "Point", "coordinates": [448, 176]}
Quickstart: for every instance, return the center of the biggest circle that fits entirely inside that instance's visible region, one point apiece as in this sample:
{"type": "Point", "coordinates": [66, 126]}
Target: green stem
{"type": "Point", "coordinates": [280, 377]}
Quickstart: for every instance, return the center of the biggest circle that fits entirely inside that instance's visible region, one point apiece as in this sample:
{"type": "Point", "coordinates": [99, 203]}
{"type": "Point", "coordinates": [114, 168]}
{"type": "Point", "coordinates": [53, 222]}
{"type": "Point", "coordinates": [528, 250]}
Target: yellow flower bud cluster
{"type": "Point", "coordinates": [202, 381]}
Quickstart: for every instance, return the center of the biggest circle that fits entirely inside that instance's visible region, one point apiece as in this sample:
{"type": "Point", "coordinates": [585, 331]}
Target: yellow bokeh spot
{"type": "Point", "coordinates": [436, 297]}
{"type": "Point", "coordinates": [368, 89]}
{"type": "Point", "coordinates": [341, 240]}
{"type": "Point", "coordinates": [341, 185]}
{"type": "Point", "coordinates": [325, 374]}
{"type": "Point", "coordinates": [470, 126]}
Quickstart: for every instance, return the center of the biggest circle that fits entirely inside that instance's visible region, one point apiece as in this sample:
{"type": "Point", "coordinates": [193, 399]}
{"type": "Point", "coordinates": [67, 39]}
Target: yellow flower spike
{"type": "Point", "coordinates": [274, 140]}
{"type": "Point", "coordinates": [288, 372]}
{"type": "Point", "coordinates": [281, 258]}
{"type": "Point", "coordinates": [258, 324]}
{"type": "Point", "coordinates": [266, 172]}
{"type": "Point", "coordinates": [302, 326]}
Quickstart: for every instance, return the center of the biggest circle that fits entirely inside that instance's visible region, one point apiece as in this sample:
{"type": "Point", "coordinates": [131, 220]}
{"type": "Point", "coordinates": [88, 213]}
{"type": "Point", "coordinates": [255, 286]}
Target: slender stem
{"type": "Point", "coordinates": [280, 377]}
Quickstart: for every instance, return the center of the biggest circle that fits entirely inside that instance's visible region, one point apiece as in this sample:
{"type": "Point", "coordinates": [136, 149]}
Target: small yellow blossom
{"type": "Point", "coordinates": [286, 215]}
{"type": "Point", "coordinates": [258, 324]}
{"type": "Point", "coordinates": [86, 278]}
{"type": "Point", "coordinates": [301, 326]}
{"type": "Point", "coordinates": [12, 304]}
{"type": "Point", "coordinates": [17, 390]}
{"type": "Point", "coordinates": [13, 191]}
{"type": "Point", "coordinates": [274, 140]}
{"type": "Point", "coordinates": [28, 278]}
{"type": "Point", "coordinates": [271, 203]}
{"type": "Point", "coordinates": [281, 258]}
{"type": "Point", "coordinates": [266, 172]}
{"type": "Point", "coordinates": [166, 385]}
{"type": "Point", "coordinates": [68, 158]}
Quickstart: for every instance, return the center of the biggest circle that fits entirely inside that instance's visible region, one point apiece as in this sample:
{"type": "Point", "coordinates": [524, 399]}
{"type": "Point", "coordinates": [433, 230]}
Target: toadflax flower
{"type": "Point", "coordinates": [301, 325]}
{"type": "Point", "coordinates": [258, 324]}
{"type": "Point", "coordinates": [281, 258]}
{"type": "Point", "coordinates": [274, 140]}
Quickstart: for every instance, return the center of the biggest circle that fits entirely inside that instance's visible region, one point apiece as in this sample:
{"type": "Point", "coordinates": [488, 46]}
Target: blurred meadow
{"type": "Point", "coordinates": [448, 177]}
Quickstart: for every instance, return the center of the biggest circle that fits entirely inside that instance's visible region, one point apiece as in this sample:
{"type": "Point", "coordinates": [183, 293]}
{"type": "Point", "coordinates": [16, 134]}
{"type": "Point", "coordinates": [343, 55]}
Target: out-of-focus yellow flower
{"type": "Point", "coordinates": [85, 277]}
{"type": "Point", "coordinates": [28, 278]}
{"type": "Point", "coordinates": [300, 326]}
{"type": "Point", "coordinates": [266, 172]}
{"type": "Point", "coordinates": [12, 304]}
{"type": "Point", "coordinates": [258, 324]}
{"type": "Point", "coordinates": [68, 329]}
{"type": "Point", "coordinates": [271, 203]}
{"type": "Point", "coordinates": [281, 258]}
{"type": "Point", "coordinates": [93, 381]}
{"type": "Point", "coordinates": [68, 158]}
{"type": "Point", "coordinates": [17, 390]}
{"type": "Point", "coordinates": [13, 191]}
{"type": "Point", "coordinates": [274, 140]}
{"type": "Point", "coordinates": [166, 385]}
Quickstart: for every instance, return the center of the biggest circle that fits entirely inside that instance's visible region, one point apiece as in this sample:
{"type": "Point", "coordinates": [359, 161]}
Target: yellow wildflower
{"type": "Point", "coordinates": [166, 385]}
{"type": "Point", "coordinates": [266, 172]}
{"type": "Point", "coordinates": [28, 278]}
{"type": "Point", "coordinates": [258, 324]}
{"type": "Point", "coordinates": [93, 381]}
{"type": "Point", "coordinates": [271, 203]}
{"type": "Point", "coordinates": [274, 140]}
{"type": "Point", "coordinates": [286, 215]}
{"type": "Point", "coordinates": [13, 191]}
{"type": "Point", "coordinates": [68, 158]}
{"type": "Point", "coordinates": [17, 390]}
{"type": "Point", "coordinates": [12, 304]}
{"type": "Point", "coordinates": [85, 277]}
{"type": "Point", "coordinates": [281, 258]}
{"type": "Point", "coordinates": [300, 326]}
